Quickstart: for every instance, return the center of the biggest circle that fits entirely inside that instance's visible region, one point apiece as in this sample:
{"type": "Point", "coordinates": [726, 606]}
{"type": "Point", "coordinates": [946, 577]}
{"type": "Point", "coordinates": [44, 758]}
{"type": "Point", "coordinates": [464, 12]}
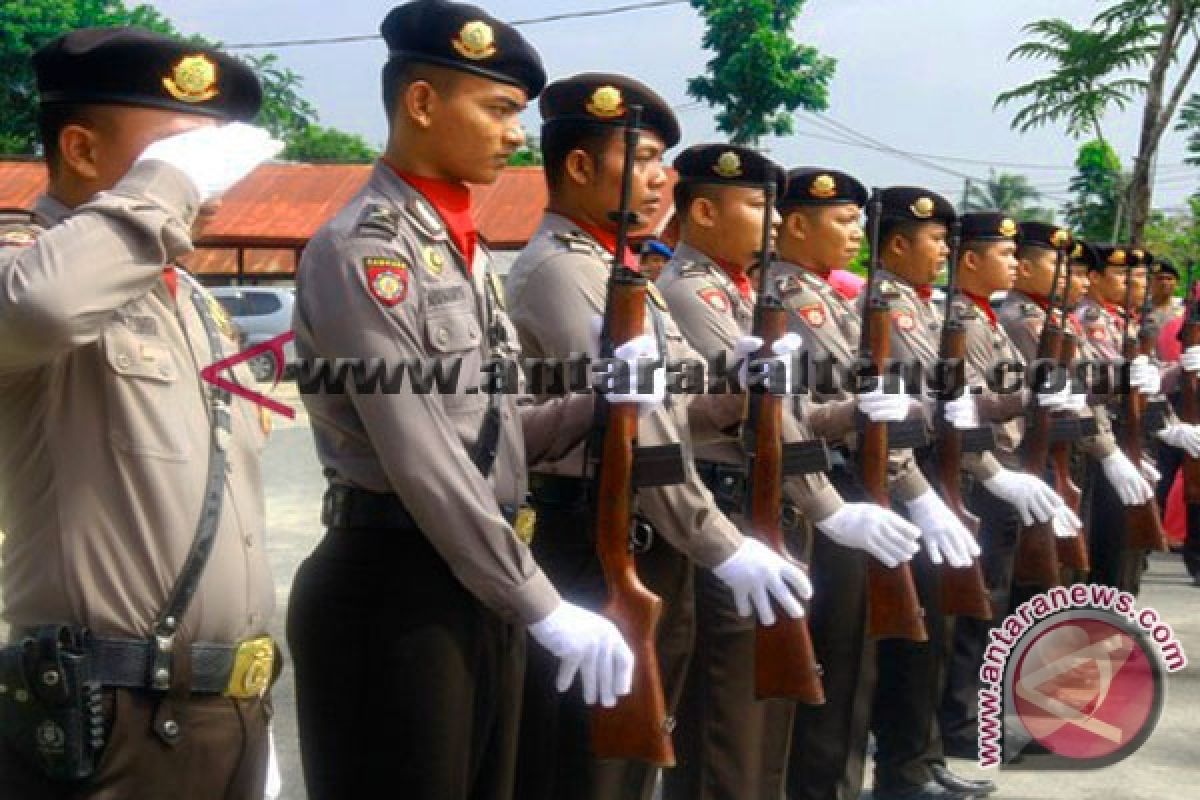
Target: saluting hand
{"type": "Point", "coordinates": [215, 157]}
{"type": "Point", "coordinates": [588, 644]}
{"type": "Point", "coordinates": [756, 575]}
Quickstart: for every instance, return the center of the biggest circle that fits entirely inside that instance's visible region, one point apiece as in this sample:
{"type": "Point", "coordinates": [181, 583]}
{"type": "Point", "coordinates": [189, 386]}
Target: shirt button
{"type": "Point", "coordinates": [443, 336]}
{"type": "Point", "coordinates": [123, 361]}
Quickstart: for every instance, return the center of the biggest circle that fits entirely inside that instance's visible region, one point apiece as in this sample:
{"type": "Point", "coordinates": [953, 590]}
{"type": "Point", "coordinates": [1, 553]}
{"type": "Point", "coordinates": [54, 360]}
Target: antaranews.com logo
{"type": "Point", "coordinates": [1074, 679]}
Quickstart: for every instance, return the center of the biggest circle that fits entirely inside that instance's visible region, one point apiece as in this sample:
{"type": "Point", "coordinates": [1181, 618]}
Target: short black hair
{"type": "Point", "coordinates": [1028, 252]}
{"type": "Point", "coordinates": [889, 228]}
{"type": "Point", "coordinates": [400, 73]}
{"type": "Point", "coordinates": [561, 138]}
{"type": "Point", "coordinates": [685, 193]}
{"type": "Point", "coordinates": [52, 118]}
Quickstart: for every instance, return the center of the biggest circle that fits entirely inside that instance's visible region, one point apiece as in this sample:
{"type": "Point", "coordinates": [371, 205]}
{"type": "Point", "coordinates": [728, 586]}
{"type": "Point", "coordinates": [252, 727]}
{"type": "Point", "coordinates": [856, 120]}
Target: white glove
{"type": "Point", "coordinates": [274, 785]}
{"type": "Point", "coordinates": [942, 532]}
{"type": "Point", "coordinates": [1066, 524]}
{"type": "Point", "coordinates": [215, 157]}
{"type": "Point", "coordinates": [1150, 473]}
{"type": "Point", "coordinates": [1190, 359]}
{"type": "Point", "coordinates": [884, 535]}
{"type": "Point", "coordinates": [881, 406]}
{"type": "Point", "coordinates": [1063, 400]}
{"type": "Point", "coordinates": [1128, 483]}
{"type": "Point", "coordinates": [1032, 498]}
{"type": "Point", "coordinates": [962, 413]}
{"type": "Point", "coordinates": [755, 574]}
{"type": "Point", "coordinates": [1144, 376]}
{"type": "Point", "coordinates": [783, 348]}
{"type": "Point", "coordinates": [1184, 437]}
{"type": "Point", "coordinates": [589, 644]}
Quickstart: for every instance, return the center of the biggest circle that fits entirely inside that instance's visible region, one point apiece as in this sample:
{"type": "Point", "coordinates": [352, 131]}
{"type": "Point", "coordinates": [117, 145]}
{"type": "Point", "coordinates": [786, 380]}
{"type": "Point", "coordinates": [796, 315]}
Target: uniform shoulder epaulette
{"type": "Point", "coordinates": [578, 243]}
{"type": "Point", "coordinates": [377, 221]}
{"type": "Point", "coordinates": [425, 218]}
{"type": "Point", "coordinates": [1029, 309]}
{"type": "Point", "coordinates": [1091, 314]}
{"type": "Point", "coordinates": [693, 269]}
{"type": "Point", "coordinates": [18, 227]}
{"type": "Point", "coordinates": [889, 289]}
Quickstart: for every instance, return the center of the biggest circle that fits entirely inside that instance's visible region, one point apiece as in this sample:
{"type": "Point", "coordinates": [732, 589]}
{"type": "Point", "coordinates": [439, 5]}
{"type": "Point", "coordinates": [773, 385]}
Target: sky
{"type": "Point", "coordinates": [918, 75]}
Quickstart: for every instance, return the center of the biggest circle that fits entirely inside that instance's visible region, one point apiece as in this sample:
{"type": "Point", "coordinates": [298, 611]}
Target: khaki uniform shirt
{"type": "Point", "coordinates": [106, 425]}
{"type": "Point", "coordinates": [382, 281]}
{"type": "Point", "coordinates": [713, 315]}
{"type": "Point", "coordinates": [831, 327]}
{"type": "Point", "coordinates": [1023, 320]}
{"type": "Point", "coordinates": [988, 343]}
{"type": "Point", "coordinates": [556, 286]}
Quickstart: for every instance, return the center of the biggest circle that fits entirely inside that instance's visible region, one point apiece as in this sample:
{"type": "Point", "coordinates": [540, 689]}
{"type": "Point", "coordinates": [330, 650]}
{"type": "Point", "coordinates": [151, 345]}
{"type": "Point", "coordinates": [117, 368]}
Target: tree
{"type": "Point", "coordinates": [1176, 236]}
{"type": "Point", "coordinates": [1009, 193]}
{"type": "Point", "coordinates": [1189, 122]}
{"type": "Point", "coordinates": [328, 145]}
{"type": "Point", "coordinates": [758, 76]}
{"type": "Point", "coordinates": [1146, 37]}
{"type": "Point", "coordinates": [530, 155]}
{"type": "Point", "coordinates": [1097, 185]}
{"type": "Point", "coordinates": [284, 112]}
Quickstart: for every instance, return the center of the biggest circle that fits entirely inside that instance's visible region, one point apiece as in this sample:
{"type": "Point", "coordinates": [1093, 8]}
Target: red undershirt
{"type": "Point", "coordinates": [984, 305]}
{"type": "Point", "coordinates": [924, 292]}
{"type": "Point", "coordinates": [453, 203]}
{"type": "Point", "coordinates": [738, 276]}
{"type": "Point", "coordinates": [171, 280]}
{"type": "Point", "coordinates": [608, 240]}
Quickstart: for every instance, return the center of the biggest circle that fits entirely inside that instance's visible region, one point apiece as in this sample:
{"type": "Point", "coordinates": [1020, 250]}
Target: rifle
{"type": "Point", "coordinates": [785, 664]}
{"type": "Point", "coordinates": [1189, 390]}
{"type": "Point", "coordinates": [638, 726]}
{"type": "Point", "coordinates": [964, 592]}
{"type": "Point", "coordinates": [1037, 552]}
{"type": "Point", "coordinates": [1143, 524]}
{"type": "Point", "coordinates": [1072, 552]}
{"type": "Point", "coordinates": [893, 610]}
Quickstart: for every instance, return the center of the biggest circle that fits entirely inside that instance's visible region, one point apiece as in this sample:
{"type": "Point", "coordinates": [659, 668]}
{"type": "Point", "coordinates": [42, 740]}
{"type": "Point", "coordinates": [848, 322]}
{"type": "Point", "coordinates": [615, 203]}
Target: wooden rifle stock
{"type": "Point", "coordinates": [1143, 523]}
{"type": "Point", "coordinates": [637, 727]}
{"type": "Point", "coordinates": [785, 664]}
{"type": "Point", "coordinates": [1037, 549]}
{"type": "Point", "coordinates": [1073, 552]}
{"type": "Point", "coordinates": [964, 591]}
{"type": "Point", "coordinates": [1189, 387]}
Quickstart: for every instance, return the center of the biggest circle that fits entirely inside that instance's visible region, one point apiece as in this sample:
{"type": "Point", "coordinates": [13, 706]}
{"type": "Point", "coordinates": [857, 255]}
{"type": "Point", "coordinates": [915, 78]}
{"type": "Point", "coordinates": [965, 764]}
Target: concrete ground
{"type": "Point", "coordinates": [1168, 766]}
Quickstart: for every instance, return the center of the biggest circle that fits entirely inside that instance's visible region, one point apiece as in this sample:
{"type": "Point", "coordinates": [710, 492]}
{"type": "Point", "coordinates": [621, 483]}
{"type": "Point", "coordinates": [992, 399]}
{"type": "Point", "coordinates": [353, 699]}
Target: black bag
{"type": "Point", "coordinates": [51, 710]}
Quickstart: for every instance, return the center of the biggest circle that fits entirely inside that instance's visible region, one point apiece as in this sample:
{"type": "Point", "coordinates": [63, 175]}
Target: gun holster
{"type": "Point", "coordinates": [51, 708]}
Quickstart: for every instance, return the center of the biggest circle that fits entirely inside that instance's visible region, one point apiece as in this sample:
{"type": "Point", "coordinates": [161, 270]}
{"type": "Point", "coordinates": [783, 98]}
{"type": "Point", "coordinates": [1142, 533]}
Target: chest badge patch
{"type": "Point", "coordinates": [714, 298]}
{"type": "Point", "coordinates": [387, 278]}
{"type": "Point", "coordinates": [656, 296]}
{"type": "Point", "coordinates": [435, 262]}
{"type": "Point", "coordinates": [904, 320]}
{"type": "Point", "coordinates": [1097, 334]}
{"type": "Point", "coordinates": [814, 315]}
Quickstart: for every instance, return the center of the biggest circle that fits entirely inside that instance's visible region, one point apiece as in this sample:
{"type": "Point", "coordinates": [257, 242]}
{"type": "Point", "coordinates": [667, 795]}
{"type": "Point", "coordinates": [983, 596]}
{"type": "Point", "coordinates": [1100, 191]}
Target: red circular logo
{"type": "Point", "coordinates": [1087, 689]}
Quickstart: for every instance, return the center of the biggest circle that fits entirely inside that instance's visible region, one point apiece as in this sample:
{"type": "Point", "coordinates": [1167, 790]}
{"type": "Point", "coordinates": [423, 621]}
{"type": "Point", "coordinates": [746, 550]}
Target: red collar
{"type": "Point", "coordinates": [453, 203]}
{"type": "Point", "coordinates": [608, 240]}
{"type": "Point", "coordinates": [924, 292]}
{"type": "Point", "coordinates": [171, 279]}
{"type": "Point", "coordinates": [1041, 299]}
{"type": "Point", "coordinates": [1114, 309]}
{"type": "Point", "coordinates": [738, 276]}
{"type": "Point", "coordinates": [983, 304]}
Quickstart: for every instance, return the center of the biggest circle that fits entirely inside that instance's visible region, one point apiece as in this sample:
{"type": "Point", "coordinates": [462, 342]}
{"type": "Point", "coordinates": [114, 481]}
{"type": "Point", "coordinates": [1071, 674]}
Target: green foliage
{"type": "Point", "coordinates": [1177, 236]}
{"type": "Point", "coordinates": [758, 76]}
{"type": "Point", "coordinates": [1189, 121]}
{"type": "Point", "coordinates": [1010, 194]}
{"type": "Point", "coordinates": [1098, 186]}
{"type": "Point", "coordinates": [1086, 78]}
{"type": "Point", "coordinates": [284, 112]}
{"type": "Point", "coordinates": [328, 145]}
{"type": "Point", "coordinates": [528, 156]}
{"type": "Point", "coordinates": [26, 25]}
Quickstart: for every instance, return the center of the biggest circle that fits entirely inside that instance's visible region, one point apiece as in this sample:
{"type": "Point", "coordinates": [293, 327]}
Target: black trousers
{"type": "Point", "coordinates": [1112, 563]}
{"type": "Point", "coordinates": [555, 760]}
{"type": "Point", "coordinates": [1170, 461]}
{"type": "Point", "coordinates": [829, 742]}
{"type": "Point", "coordinates": [958, 715]}
{"type": "Point", "coordinates": [403, 679]}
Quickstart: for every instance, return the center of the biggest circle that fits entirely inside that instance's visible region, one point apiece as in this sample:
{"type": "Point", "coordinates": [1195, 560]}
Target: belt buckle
{"type": "Point", "coordinates": [524, 524]}
{"type": "Point", "coordinates": [253, 668]}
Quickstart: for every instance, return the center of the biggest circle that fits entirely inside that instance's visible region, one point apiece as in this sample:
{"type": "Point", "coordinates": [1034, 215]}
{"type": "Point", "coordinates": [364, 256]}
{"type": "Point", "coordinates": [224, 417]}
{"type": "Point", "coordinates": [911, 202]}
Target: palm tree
{"type": "Point", "coordinates": [1076, 90]}
{"type": "Point", "coordinates": [1008, 193]}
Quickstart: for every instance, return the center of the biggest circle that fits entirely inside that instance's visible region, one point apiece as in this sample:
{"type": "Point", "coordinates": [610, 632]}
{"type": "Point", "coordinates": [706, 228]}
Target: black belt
{"type": "Point", "coordinates": [126, 664]}
{"type": "Point", "coordinates": [559, 492]}
{"type": "Point", "coordinates": [350, 507]}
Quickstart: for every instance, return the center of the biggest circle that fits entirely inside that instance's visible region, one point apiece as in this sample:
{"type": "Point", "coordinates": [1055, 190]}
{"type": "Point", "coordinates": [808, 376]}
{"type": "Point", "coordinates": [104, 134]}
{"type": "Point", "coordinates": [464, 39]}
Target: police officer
{"type": "Point", "coordinates": [133, 501]}
{"type": "Point", "coordinates": [1102, 316]}
{"type": "Point", "coordinates": [821, 231]}
{"type": "Point", "coordinates": [731, 744]}
{"type": "Point", "coordinates": [407, 623]}
{"type": "Point", "coordinates": [556, 289]}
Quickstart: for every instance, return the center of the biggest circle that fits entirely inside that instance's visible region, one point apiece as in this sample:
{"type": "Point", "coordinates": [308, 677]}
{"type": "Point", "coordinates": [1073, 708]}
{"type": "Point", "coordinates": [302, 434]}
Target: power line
{"type": "Point", "coordinates": [368, 37]}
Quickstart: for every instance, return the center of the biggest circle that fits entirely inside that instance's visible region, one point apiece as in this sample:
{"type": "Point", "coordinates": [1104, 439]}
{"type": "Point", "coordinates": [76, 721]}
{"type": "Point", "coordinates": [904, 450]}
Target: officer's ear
{"type": "Point", "coordinates": [420, 99]}
{"type": "Point", "coordinates": [1025, 269]}
{"type": "Point", "coordinates": [969, 260]}
{"type": "Point", "coordinates": [79, 151]}
{"type": "Point", "coordinates": [797, 225]}
{"type": "Point", "coordinates": [703, 212]}
{"type": "Point", "coordinates": [580, 167]}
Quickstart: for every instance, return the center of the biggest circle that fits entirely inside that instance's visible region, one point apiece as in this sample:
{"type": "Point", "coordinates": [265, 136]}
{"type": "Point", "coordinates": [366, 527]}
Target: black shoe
{"type": "Point", "coordinates": [930, 791]}
{"type": "Point", "coordinates": [957, 783]}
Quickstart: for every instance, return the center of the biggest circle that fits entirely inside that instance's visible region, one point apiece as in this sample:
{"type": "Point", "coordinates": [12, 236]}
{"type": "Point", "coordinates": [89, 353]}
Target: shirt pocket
{"type": "Point", "coordinates": [142, 390]}
{"type": "Point", "coordinates": [453, 343]}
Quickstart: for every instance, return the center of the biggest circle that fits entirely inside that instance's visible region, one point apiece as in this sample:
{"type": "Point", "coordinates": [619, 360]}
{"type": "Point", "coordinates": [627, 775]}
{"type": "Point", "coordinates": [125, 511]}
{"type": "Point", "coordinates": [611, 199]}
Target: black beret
{"type": "Point", "coordinates": [135, 67]}
{"type": "Point", "coordinates": [818, 186]}
{"type": "Point", "coordinates": [1140, 257]}
{"type": "Point", "coordinates": [463, 37]}
{"type": "Point", "coordinates": [988, 226]}
{"type": "Point", "coordinates": [1164, 265]}
{"type": "Point", "coordinates": [1114, 255]}
{"type": "Point", "coordinates": [597, 98]}
{"type": "Point", "coordinates": [728, 165]}
{"type": "Point", "coordinates": [1042, 234]}
{"type": "Point", "coordinates": [914, 204]}
{"type": "Point", "coordinates": [1087, 254]}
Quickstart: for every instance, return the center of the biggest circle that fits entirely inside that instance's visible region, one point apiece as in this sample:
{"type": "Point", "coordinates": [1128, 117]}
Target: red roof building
{"type": "Point", "coordinates": [264, 222]}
